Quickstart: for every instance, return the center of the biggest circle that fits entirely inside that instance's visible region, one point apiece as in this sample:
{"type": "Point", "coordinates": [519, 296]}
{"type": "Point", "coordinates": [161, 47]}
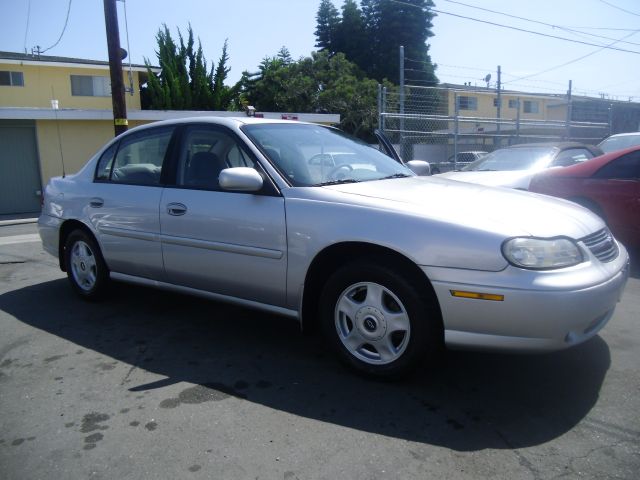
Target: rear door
{"type": "Point", "coordinates": [616, 187]}
{"type": "Point", "coordinates": [230, 243]}
{"type": "Point", "coordinates": [125, 200]}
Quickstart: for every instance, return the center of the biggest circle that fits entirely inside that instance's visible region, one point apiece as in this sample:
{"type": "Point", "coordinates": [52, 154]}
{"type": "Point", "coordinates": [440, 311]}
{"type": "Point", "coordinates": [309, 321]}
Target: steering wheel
{"type": "Point", "coordinates": [334, 173]}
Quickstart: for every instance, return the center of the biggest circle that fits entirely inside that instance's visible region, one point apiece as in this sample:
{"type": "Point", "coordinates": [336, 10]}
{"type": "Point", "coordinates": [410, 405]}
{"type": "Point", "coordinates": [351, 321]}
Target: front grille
{"type": "Point", "coordinates": [602, 245]}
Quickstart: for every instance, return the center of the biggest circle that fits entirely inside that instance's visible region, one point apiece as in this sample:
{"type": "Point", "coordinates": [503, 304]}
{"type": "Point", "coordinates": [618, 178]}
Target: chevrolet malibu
{"type": "Point", "coordinates": [390, 266]}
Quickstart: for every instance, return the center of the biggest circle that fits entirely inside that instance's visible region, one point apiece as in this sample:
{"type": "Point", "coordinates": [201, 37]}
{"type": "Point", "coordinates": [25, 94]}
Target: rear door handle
{"type": "Point", "coordinates": [176, 209]}
{"type": "Point", "coordinates": [96, 202]}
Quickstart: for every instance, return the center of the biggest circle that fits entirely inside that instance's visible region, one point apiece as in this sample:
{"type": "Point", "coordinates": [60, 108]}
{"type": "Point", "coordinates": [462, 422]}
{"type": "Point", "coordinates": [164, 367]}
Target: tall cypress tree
{"type": "Point", "coordinates": [350, 37]}
{"type": "Point", "coordinates": [327, 20]}
{"type": "Point", "coordinates": [184, 82]}
{"type": "Point", "coordinates": [371, 36]}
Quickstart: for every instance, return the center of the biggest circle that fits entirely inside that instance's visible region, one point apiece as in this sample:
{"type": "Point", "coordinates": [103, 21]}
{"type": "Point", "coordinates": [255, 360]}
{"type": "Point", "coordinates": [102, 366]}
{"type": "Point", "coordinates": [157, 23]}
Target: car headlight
{"type": "Point", "coordinates": [541, 253]}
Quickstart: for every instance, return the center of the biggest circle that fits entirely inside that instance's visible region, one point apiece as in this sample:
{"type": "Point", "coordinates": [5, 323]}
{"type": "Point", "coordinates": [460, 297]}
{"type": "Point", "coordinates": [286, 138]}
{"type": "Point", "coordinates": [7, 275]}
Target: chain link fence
{"type": "Point", "coordinates": [437, 124]}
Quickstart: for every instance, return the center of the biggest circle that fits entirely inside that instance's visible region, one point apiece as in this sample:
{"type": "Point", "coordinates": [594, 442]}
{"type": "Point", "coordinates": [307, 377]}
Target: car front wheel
{"type": "Point", "coordinates": [377, 321]}
{"type": "Point", "coordinates": [85, 266]}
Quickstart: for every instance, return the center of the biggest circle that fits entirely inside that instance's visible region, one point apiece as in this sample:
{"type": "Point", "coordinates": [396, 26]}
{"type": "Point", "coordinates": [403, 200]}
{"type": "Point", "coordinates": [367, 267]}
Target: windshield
{"type": "Point", "coordinates": [313, 155]}
{"type": "Point", "coordinates": [614, 143]}
{"type": "Point", "coordinates": [526, 158]}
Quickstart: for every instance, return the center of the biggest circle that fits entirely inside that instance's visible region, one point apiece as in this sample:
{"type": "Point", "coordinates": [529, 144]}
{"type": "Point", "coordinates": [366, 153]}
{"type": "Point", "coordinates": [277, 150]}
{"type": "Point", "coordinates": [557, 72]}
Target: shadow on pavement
{"type": "Point", "coordinates": [634, 255]}
{"type": "Point", "coordinates": [473, 401]}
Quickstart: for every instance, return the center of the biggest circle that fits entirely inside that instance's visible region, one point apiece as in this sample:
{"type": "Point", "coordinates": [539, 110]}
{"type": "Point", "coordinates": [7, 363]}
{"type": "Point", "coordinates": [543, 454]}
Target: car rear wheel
{"type": "Point", "coordinates": [378, 323]}
{"type": "Point", "coordinates": [85, 266]}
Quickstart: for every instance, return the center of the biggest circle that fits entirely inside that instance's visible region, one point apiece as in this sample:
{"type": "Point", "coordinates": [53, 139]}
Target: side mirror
{"type": "Point", "coordinates": [419, 167]}
{"type": "Point", "coordinates": [240, 179]}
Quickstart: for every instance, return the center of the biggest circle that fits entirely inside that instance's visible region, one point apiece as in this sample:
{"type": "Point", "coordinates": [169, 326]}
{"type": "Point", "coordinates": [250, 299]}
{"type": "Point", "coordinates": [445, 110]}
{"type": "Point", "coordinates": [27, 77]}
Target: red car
{"type": "Point", "coordinates": [609, 185]}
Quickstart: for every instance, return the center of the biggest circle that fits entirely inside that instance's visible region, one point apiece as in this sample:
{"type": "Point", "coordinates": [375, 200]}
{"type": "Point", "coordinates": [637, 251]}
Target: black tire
{"type": "Point", "coordinates": [435, 171]}
{"type": "Point", "coordinates": [86, 269]}
{"type": "Point", "coordinates": [386, 351]}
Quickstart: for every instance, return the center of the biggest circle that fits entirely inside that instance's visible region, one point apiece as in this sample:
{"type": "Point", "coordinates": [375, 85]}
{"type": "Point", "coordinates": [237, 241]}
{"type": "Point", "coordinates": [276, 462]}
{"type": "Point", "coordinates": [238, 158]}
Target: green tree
{"type": "Point", "coordinates": [184, 82]}
{"type": "Point", "coordinates": [350, 35]}
{"type": "Point", "coordinates": [319, 83]}
{"type": "Point", "coordinates": [327, 20]}
{"type": "Point", "coordinates": [371, 36]}
{"type": "Point", "coordinates": [406, 23]}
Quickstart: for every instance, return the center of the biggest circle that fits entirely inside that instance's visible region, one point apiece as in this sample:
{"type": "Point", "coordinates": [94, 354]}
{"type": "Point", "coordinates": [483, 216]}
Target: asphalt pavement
{"type": "Point", "coordinates": [156, 385]}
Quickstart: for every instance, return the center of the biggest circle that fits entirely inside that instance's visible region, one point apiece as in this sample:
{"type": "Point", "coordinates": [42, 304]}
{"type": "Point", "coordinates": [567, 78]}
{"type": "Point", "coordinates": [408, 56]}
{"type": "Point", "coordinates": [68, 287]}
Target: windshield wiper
{"type": "Point", "coordinates": [336, 182]}
{"type": "Point", "coordinates": [396, 175]}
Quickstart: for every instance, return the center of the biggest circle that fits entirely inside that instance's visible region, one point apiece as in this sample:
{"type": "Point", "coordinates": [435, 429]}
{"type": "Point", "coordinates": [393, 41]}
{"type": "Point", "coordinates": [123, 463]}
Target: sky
{"type": "Point", "coordinates": [465, 50]}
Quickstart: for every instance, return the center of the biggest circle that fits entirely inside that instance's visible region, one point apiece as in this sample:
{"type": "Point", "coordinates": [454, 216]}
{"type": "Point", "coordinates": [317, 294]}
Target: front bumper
{"type": "Point", "coordinates": [540, 311]}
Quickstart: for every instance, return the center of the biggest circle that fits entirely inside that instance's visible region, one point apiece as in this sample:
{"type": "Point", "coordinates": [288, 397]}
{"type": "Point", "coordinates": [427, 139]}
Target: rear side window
{"type": "Point", "coordinates": [624, 168]}
{"type": "Point", "coordinates": [571, 156]}
{"type": "Point", "coordinates": [103, 172]}
{"type": "Point", "coordinates": [137, 159]}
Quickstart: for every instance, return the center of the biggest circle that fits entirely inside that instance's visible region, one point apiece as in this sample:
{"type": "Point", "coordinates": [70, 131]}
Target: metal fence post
{"type": "Point", "coordinates": [517, 119]}
{"type": "Point", "coordinates": [569, 105]}
{"type": "Point", "coordinates": [379, 106]}
{"type": "Point", "coordinates": [384, 108]}
{"type": "Point", "coordinates": [610, 118]}
{"type": "Point", "coordinates": [455, 130]}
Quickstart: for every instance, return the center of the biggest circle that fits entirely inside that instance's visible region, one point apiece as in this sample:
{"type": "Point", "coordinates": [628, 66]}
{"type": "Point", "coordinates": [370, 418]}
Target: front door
{"type": "Point", "coordinates": [230, 243]}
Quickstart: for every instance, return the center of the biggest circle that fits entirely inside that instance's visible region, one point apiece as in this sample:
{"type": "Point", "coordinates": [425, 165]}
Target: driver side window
{"type": "Point", "coordinates": [205, 152]}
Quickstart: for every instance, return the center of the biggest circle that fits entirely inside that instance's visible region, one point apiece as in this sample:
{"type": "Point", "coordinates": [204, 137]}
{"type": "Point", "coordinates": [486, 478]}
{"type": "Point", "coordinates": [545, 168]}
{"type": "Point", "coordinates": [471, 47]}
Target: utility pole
{"type": "Point", "coordinates": [115, 67]}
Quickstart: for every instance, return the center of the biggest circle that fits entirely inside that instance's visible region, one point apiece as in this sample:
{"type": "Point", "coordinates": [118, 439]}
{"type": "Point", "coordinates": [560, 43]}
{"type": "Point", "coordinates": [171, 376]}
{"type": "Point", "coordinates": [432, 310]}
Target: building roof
{"type": "Point", "coordinates": [43, 60]}
{"type": "Point", "coordinates": [553, 96]}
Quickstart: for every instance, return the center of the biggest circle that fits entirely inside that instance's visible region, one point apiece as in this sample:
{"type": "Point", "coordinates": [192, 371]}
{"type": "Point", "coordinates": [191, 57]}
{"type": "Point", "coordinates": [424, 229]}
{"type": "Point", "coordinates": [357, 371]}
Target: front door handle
{"type": "Point", "coordinates": [96, 202]}
{"type": "Point", "coordinates": [176, 209]}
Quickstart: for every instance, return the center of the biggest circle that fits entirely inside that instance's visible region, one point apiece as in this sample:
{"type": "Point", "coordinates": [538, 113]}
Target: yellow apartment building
{"type": "Point", "coordinates": [56, 112]}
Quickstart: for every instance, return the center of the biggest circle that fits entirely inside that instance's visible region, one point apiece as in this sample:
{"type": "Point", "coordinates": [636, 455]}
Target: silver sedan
{"type": "Point", "coordinates": [390, 266]}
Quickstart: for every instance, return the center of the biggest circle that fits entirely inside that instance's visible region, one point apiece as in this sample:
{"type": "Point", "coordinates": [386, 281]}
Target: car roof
{"type": "Point", "coordinates": [560, 145]}
{"type": "Point", "coordinates": [627, 134]}
{"type": "Point", "coordinates": [225, 121]}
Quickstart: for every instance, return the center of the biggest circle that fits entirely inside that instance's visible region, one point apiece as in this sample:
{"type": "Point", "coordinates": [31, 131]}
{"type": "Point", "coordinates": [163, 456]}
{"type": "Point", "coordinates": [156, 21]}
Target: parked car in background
{"type": "Point", "coordinates": [608, 185]}
{"type": "Point", "coordinates": [391, 266]}
{"type": "Point", "coordinates": [515, 166]}
{"type": "Point", "coordinates": [456, 162]}
{"type": "Point", "coordinates": [619, 141]}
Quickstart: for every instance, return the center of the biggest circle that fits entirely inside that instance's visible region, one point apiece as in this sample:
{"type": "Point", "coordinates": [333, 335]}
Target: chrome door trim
{"type": "Point", "coordinates": [223, 247]}
{"type": "Point", "coordinates": [123, 232]}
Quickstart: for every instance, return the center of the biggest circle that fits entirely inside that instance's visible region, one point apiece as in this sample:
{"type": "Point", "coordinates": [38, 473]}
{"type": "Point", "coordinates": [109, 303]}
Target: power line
{"type": "Point", "coordinates": [570, 61]}
{"type": "Point", "coordinates": [533, 32]}
{"type": "Point", "coordinates": [620, 8]}
{"type": "Point", "coordinates": [567, 29]}
{"type": "Point", "coordinates": [604, 28]}
{"type": "Point", "coordinates": [66, 21]}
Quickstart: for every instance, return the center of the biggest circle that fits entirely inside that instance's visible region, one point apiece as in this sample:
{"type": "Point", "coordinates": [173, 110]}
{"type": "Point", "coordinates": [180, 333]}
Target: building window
{"type": "Point", "coordinates": [530, 107]}
{"type": "Point", "coordinates": [11, 79]}
{"type": "Point", "coordinates": [90, 86]}
{"type": "Point", "coordinates": [467, 103]}
{"type": "Point", "coordinates": [513, 103]}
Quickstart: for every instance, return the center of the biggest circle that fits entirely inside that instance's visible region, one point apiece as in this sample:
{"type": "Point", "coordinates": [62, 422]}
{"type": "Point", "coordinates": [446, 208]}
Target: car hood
{"type": "Point", "coordinates": [511, 178]}
{"type": "Point", "coordinates": [499, 210]}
